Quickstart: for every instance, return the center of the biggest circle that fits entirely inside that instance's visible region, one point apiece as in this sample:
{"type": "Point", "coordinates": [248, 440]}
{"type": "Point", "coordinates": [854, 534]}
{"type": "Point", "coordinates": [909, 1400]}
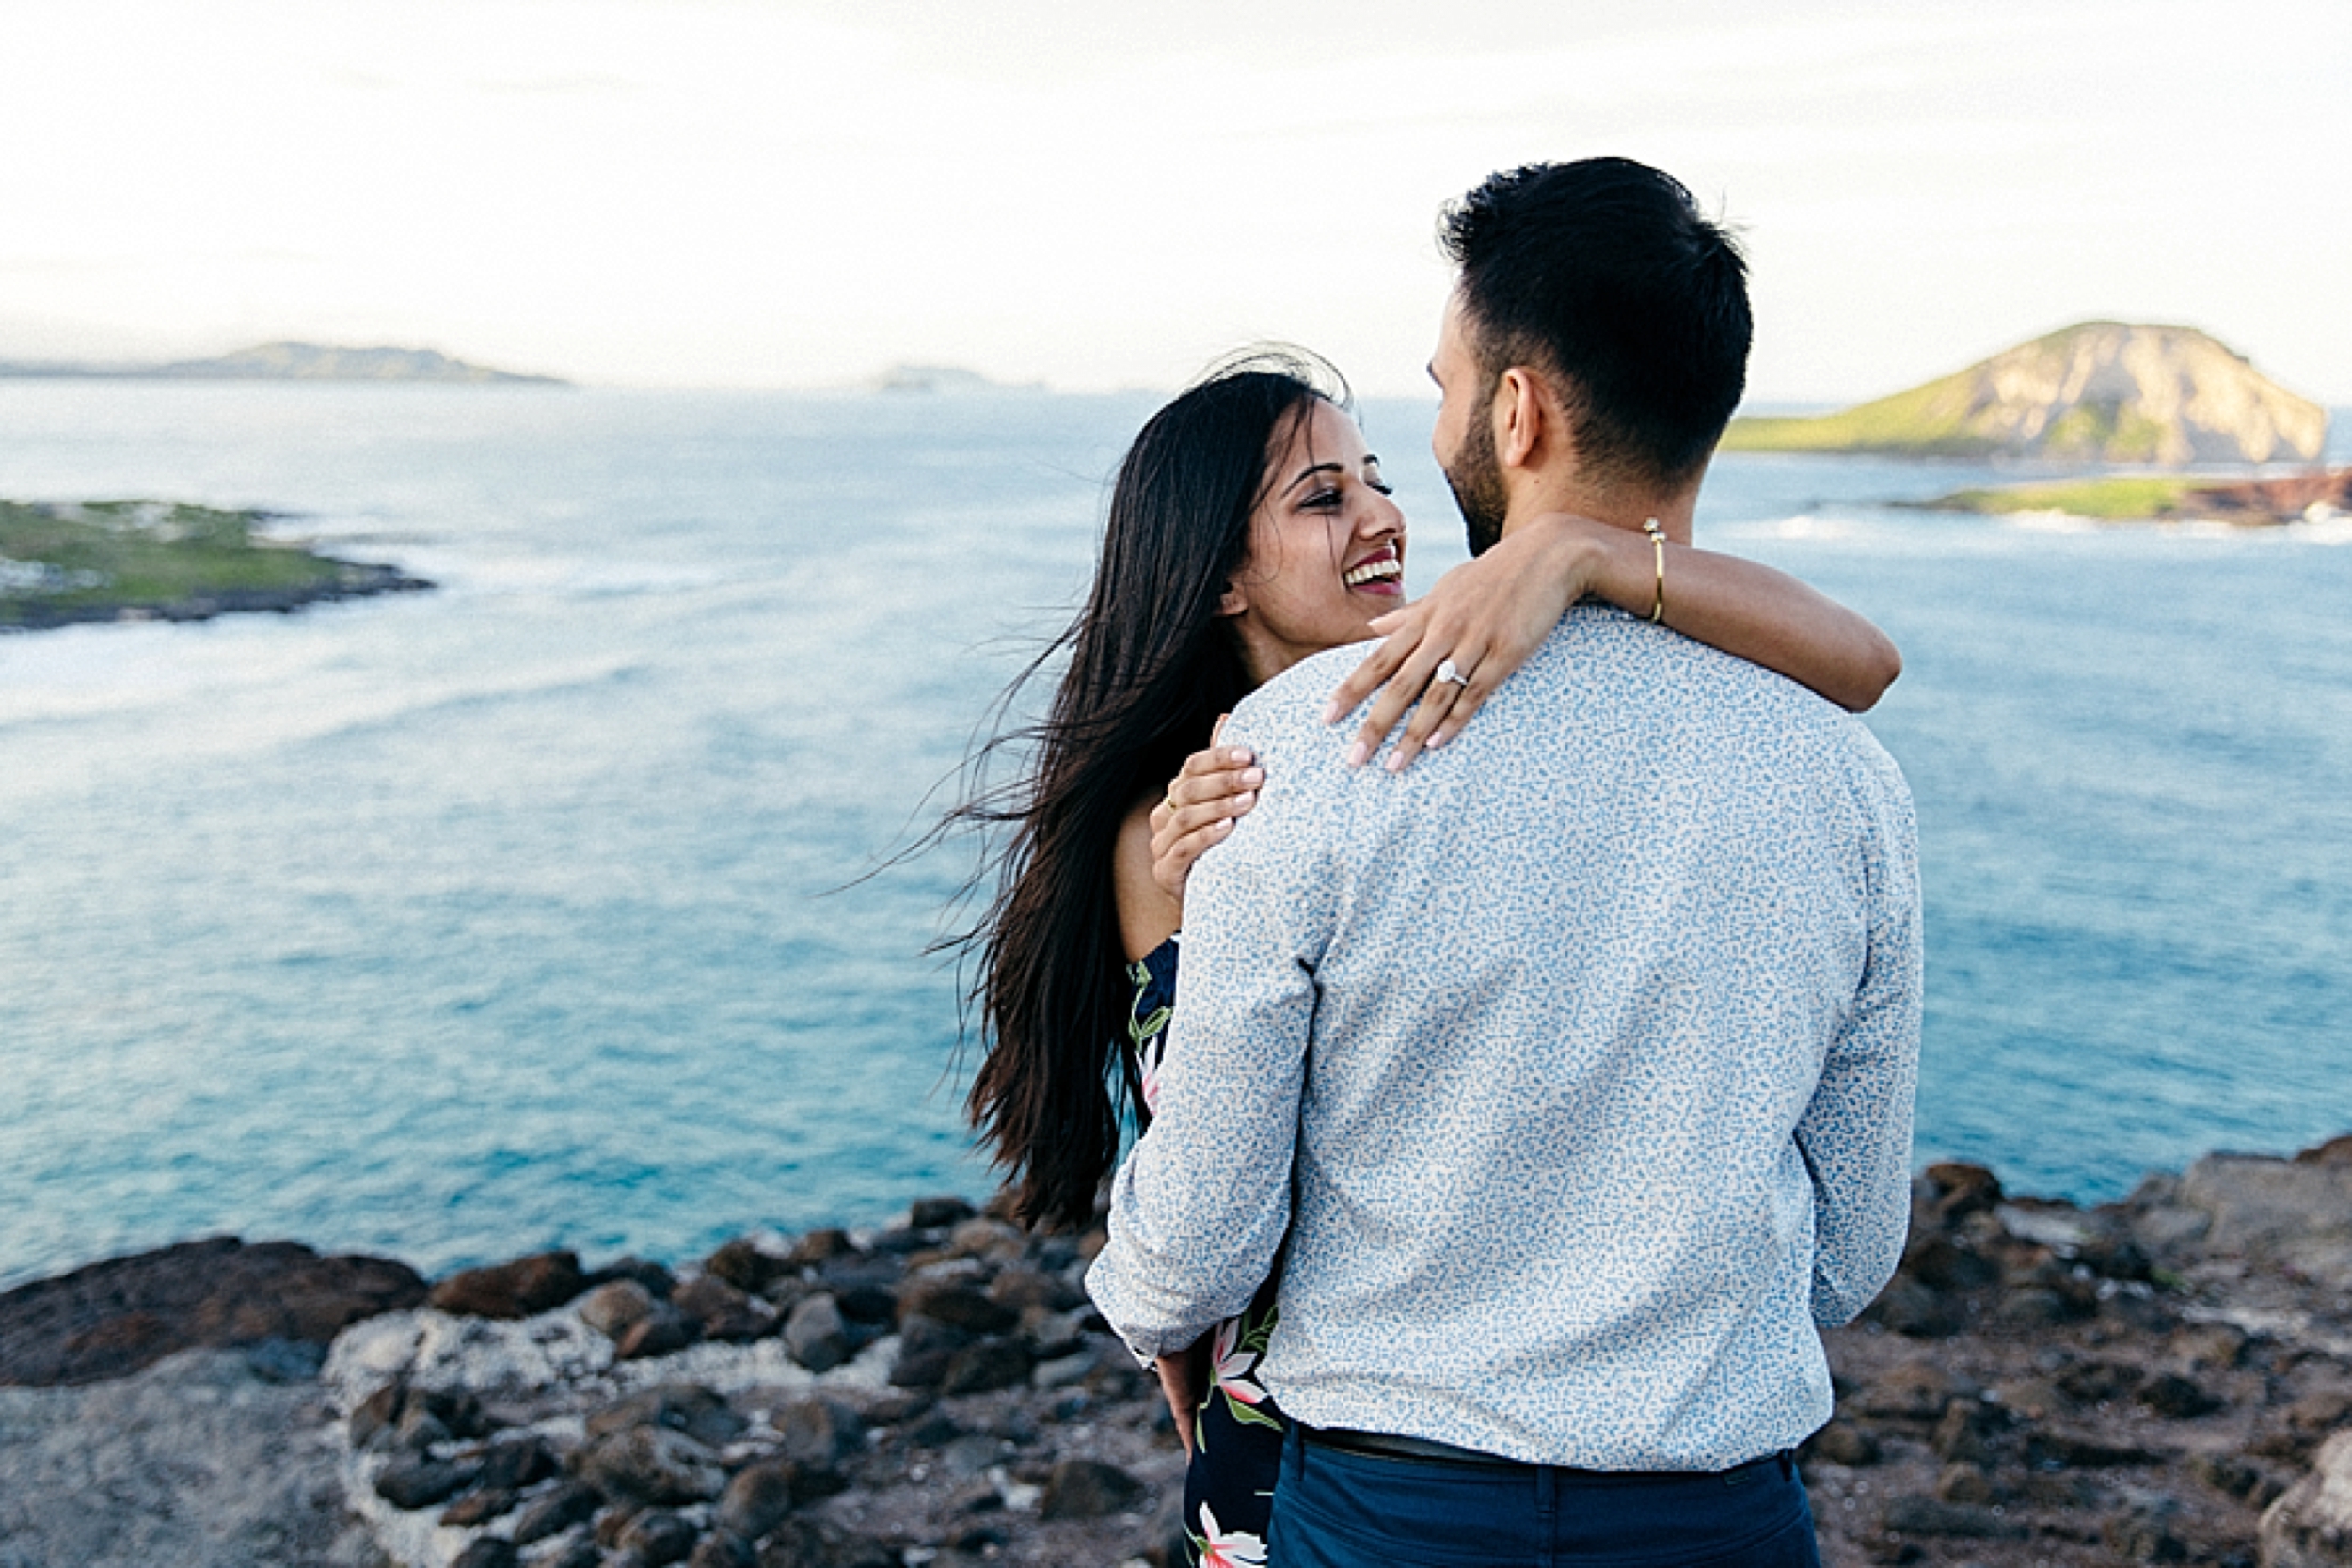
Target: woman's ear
{"type": "Point", "coordinates": [1232, 601]}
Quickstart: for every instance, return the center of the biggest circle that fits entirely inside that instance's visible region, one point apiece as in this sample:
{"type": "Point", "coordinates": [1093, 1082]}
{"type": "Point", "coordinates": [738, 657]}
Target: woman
{"type": "Point", "coordinates": [1250, 528]}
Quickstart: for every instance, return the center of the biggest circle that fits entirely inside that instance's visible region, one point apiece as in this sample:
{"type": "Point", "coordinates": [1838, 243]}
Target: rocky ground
{"type": "Point", "coordinates": [2164, 1380]}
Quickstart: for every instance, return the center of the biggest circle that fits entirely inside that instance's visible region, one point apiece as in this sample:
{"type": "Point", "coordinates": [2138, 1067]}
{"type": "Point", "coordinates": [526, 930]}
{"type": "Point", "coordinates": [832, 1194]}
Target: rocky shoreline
{"type": "Point", "coordinates": [2167, 1379]}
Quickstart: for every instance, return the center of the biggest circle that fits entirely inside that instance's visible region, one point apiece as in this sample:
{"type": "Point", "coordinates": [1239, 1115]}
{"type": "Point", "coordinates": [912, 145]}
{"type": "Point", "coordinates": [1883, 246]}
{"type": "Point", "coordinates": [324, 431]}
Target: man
{"type": "Point", "coordinates": [1575, 1062]}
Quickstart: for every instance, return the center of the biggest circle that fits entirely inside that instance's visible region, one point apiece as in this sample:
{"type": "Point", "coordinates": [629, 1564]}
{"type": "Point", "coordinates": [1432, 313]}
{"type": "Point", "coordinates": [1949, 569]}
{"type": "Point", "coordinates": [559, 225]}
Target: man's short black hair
{"type": "Point", "coordinates": [1602, 274]}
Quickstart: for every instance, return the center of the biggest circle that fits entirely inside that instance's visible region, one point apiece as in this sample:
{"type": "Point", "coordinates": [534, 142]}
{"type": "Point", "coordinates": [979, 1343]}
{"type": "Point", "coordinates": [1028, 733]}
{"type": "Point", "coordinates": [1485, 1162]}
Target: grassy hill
{"type": "Point", "coordinates": [2101, 391]}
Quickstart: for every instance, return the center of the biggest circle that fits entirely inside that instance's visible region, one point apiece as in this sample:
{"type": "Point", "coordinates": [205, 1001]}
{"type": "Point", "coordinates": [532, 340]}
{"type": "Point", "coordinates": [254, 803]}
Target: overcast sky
{"type": "Point", "coordinates": [773, 193]}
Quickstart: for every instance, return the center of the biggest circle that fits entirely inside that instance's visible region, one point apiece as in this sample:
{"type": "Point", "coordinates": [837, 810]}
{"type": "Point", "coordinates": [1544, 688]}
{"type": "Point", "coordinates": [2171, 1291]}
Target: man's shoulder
{"type": "Point", "coordinates": [1289, 709]}
{"type": "Point", "coordinates": [1601, 662]}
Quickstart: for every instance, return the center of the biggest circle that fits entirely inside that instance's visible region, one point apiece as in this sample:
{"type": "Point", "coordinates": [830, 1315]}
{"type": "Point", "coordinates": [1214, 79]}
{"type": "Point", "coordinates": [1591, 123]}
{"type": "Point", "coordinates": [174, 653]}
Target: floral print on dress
{"type": "Point", "coordinates": [1237, 1432]}
{"type": "Point", "coordinates": [1219, 1548]}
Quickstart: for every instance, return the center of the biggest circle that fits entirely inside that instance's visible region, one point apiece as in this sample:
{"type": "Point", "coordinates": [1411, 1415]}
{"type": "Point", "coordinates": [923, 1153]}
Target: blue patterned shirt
{"type": "Point", "coordinates": [1576, 1062]}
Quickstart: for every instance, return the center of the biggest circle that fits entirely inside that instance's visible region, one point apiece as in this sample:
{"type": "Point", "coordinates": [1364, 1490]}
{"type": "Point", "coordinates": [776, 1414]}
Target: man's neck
{"type": "Point", "coordinates": [1620, 506]}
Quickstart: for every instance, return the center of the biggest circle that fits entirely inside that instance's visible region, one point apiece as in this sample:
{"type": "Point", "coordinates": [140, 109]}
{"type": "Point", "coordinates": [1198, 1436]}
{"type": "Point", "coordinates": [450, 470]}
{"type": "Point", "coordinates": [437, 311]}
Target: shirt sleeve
{"type": "Point", "coordinates": [1202, 1203]}
{"type": "Point", "coordinates": [1855, 1134]}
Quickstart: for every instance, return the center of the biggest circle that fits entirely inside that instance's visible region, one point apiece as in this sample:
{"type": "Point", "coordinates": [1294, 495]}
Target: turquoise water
{"type": "Point", "coordinates": [526, 913]}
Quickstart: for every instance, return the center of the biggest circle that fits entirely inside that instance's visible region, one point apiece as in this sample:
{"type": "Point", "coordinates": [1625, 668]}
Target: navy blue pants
{"type": "Point", "coordinates": [1343, 1510]}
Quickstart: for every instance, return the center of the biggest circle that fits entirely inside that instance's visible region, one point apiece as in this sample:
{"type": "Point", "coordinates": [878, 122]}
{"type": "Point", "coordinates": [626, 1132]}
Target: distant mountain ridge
{"type": "Point", "coordinates": [2100, 391]}
{"type": "Point", "coordinates": [296, 361]}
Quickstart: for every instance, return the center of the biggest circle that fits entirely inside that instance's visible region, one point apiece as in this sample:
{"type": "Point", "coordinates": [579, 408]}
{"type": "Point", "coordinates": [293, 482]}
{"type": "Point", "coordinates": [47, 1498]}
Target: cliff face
{"type": "Point", "coordinates": [2102, 391]}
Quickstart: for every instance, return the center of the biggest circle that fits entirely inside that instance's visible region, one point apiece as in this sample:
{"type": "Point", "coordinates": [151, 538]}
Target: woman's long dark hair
{"type": "Point", "coordinates": [1150, 667]}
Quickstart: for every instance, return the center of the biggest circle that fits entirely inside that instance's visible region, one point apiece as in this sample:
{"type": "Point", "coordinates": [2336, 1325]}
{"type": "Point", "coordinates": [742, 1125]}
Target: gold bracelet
{"type": "Point", "coordinates": [1657, 543]}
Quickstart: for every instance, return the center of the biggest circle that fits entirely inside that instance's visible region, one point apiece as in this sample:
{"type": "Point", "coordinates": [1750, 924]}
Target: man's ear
{"type": "Point", "coordinates": [1522, 416]}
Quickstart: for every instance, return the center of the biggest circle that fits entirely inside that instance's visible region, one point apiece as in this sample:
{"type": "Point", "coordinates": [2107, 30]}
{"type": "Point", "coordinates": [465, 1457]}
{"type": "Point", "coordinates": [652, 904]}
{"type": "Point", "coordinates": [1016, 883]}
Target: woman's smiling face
{"type": "Point", "coordinates": [1327, 546]}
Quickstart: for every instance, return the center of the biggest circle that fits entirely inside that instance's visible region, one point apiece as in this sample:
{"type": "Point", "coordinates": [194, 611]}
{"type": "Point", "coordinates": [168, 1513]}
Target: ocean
{"type": "Point", "coordinates": [559, 908]}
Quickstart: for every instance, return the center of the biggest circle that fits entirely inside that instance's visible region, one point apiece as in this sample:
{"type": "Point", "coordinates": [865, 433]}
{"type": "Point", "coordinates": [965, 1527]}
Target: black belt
{"type": "Point", "coordinates": [1387, 1445]}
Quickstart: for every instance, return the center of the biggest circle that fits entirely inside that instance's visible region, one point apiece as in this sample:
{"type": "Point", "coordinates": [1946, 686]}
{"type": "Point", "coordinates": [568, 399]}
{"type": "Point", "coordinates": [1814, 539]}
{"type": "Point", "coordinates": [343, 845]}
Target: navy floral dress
{"type": "Point", "coordinates": [1237, 1433]}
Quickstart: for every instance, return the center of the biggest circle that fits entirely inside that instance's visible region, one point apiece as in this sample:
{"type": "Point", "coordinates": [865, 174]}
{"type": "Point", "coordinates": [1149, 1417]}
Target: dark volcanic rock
{"type": "Point", "coordinates": [556, 1510]}
{"type": "Point", "coordinates": [413, 1481]}
{"type": "Point", "coordinates": [685, 1407]}
{"type": "Point", "coordinates": [513, 1463]}
{"type": "Point", "coordinates": [990, 1364]}
{"type": "Point", "coordinates": [478, 1508]}
{"type": "Point", "coordinates": [522, 1289]}
{"type": "Point", "coordinates": [757, 1500]}
{"type": "Point", "coordinates": [807, 1544]}
{"type": "Point", "coordinates": [615, 1307]}
{"type": "Point", "coordinates": [652, 1464]}
{"type": "Point", "coordinates": [742, 1264]}
{"type": "Point", "coordinates": [114, 1318]}
{"type": "Point", "coordinates": [957, 1301]}
{"type": "Point", "coordinates": [819, 1431]}
{"type": "Point", "coordinates": [1088, 1489]}
{"type": "Point", "coordinates": [723, 1312]}
{"type": "Point", "coordinates": [663, 1331]}
{"type": "Point", "coordinates": [816, 1333]}
{"type": "Point", "coordinates": [937, 1213]}
{"type": "Point", "coordinates": [658, 1537]}
{"type": "Point", "coordinates": [487, 1551]}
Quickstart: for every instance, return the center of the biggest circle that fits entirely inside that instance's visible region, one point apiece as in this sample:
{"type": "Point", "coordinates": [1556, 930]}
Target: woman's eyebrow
{"type": "Point", "coordinates": [1305, 474]}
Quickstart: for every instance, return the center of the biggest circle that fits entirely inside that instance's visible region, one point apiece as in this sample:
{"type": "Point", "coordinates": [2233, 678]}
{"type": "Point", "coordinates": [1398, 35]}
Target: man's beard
{"type": "Point", "coordinates": [1476, 481]}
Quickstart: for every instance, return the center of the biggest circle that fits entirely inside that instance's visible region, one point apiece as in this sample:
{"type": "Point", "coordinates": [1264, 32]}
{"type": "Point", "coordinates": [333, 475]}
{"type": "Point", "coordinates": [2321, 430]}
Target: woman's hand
{"type": "Point", "coordinates": [1216, 789]}
{"type": "Point", "coordinates": [1184, 1384]}
{"type": "Point", "coordinates": [1443, 655]}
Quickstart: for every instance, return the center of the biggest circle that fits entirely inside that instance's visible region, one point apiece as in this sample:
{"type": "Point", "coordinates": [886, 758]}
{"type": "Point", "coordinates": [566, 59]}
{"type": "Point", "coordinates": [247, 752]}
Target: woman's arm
{"type": "Point", "coordinates": [1149, 912]}
{"type": "Point", "coordinates": [1487, 615]}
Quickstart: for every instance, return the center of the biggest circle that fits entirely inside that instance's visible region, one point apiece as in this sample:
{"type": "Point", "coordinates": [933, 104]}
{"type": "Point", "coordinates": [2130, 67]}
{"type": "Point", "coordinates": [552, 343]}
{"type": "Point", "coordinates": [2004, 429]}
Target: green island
{"type": "Point", "coordinates": [161, 561]}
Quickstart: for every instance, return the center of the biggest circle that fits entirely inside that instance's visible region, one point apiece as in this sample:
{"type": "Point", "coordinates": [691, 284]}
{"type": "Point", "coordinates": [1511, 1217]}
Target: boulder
{"type": "Point", "coordinates": [487, 1551]}
{"type": "Point", "coordinates": [757, 1500]}
{"type": "Point", "coordinates": [652, 1464]}
{"type": "Point", "coordinates": [553, 1511]}
{"type": "Point", "coordinates": [819, 1431]}
{"type": "Point", "coordinates": [114, 1318]}
{"type": "Point", "coordinates": [658, 1537]}
{"type": "Point", "coordinates": [1088, 1489]}
{"type": "Point", "coordinates": [413, 1481]}
{"type": "Point", "coordinates": [937, 1213]}
{"type": "Point", "coordinates": [744, 1264]}
{"type": "Point", "coordinates": [613, 1309]}
{"type": "Point", "coordinates": [723, 1312]}
{"type": "Point", "coordinates": [522, 1289]}
{"type": "Point", "coordinates": [2292, 1212]}
{"type": "Point", "coordinates": [817, 1334]}
{"type": "Point", "coordinates": [663, 1331]}
{"type": "Point", "coordinates": [957, 1300]}
{"type": "Point", "coordinates": [687, 1407]}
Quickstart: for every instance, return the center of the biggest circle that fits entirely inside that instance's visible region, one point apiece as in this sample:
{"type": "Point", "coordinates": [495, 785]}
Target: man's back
{"type": "Point", "coordinates": [1554, 1008]}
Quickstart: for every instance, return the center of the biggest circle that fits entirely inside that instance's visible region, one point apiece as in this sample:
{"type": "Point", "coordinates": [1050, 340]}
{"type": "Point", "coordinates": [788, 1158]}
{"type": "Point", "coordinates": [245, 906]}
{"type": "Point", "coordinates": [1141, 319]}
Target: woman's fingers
{"type": "Point", "coordinates": [1379, 665]}
{"type": "Point", "coordinates": [1452, 696]}
{"type": "Point", "coordinates": [1217, 788]}
{"type": "Point", "coordinates": [1173, 866]}
{"type": "Point", "coordinates": [1455, 690]}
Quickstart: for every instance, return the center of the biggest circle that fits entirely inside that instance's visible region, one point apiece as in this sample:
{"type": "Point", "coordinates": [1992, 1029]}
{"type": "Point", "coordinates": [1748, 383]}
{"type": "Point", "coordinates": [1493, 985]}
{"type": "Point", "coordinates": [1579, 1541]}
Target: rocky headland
{"type": "Point", "coordinates": [162, 561]}
{"type": "Point", "coordinates": [2100, 391]}
{"type": "Point", "coordinates": [2167, 1379]}
{"type": "Point", "coordinates": [288, 361]}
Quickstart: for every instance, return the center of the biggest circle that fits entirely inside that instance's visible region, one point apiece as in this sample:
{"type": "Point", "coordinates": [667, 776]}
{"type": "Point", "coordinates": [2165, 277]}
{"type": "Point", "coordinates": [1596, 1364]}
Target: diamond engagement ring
{"type": "Point", "coordinates": [1447, 672]}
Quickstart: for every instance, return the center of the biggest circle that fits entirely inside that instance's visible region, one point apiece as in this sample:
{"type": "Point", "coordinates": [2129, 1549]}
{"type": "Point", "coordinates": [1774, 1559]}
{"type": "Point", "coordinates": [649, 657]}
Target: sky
{"type": "Point", "coordinates": [1101, 194]}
